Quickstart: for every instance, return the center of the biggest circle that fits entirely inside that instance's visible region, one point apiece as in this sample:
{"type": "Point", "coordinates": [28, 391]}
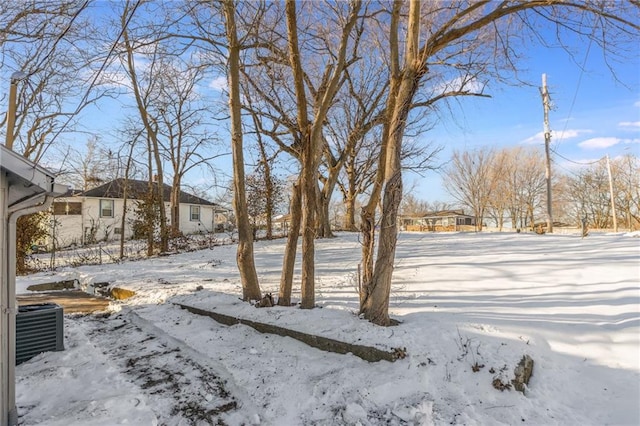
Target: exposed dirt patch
{"type": "Point", "coordinates": [177, 385]}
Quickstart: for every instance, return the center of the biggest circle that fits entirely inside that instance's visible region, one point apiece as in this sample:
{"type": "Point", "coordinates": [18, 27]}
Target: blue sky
{"type": "Point", "coordinates": [593, 114]}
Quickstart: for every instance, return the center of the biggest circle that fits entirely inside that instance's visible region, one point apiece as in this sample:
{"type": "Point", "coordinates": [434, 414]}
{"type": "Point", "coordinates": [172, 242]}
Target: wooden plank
{"type": "Point", "coordinates": [74, 301]}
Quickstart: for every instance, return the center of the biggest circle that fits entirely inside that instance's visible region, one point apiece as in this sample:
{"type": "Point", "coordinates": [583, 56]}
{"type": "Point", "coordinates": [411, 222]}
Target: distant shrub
{"type": "Point", "coordinates": [30, 230]}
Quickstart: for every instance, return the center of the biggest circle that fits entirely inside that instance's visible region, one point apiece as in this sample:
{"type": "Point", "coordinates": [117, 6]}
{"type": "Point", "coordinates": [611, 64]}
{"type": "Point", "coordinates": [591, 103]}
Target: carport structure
{"type": "Point", "coordinates": [25, 188]}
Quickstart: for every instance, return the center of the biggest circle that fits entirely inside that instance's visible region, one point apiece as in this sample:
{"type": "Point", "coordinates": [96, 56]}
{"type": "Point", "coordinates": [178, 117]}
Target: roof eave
{"type": "Point", "coordinates": [27, 178]}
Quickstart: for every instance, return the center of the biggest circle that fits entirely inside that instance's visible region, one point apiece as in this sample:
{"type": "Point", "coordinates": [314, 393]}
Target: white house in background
{"type": "Point", "coordinates": [96, 214]}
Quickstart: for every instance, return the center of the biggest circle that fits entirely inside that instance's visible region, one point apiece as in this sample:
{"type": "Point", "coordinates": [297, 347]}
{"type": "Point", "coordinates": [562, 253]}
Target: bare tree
{"type": "Point", "coordinates": [246, 264]}
{"type": "Point", "coordinates": [472, 178]}
{"type": "Point", "coordinates": [531, 185]}
{"type": "Point", "coordinates": [272, 188]}
{"type": "Point", "coordinates": [171, 110]}
{"type": "Point", "coordinates": [413, 206]}
{"type": "Point", "coordinates": [53, 45]}
{"type": "Point", "coordinates": [626, 170]}
{"type": "Point", "coordinates": [89, 166]}
{"type": "Point", "coordinates": [311, 134]}
{"type": "Point", "coordinates": [293, 82]}
{"type": "Point", "coordinates": [265, 194]}
{"type": "Point", "coordinates": [590, 196]}
{"type": "Point", "coordinates": [477, 40]}
{"type": "Point", "coordinates": [500, 201]}
{"type": "Point", "coordinates": [144, 85]}
{"type": "Point", "coordinates": [182, 135]}
{"type": "Point", "coordinates": [376, 278]}
{"type": "Point", "coordinates": [357, 111]}
{"type": "Point", "coordinates": [358, 176]}
{"type": "Point", "coordinates": [521, 186]}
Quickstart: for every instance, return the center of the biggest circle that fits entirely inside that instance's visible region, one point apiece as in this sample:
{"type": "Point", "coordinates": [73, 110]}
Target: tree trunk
{"type": "Point", "coordinates": [175, 206]}
{"type": "Point", "coordinates": [244, 255]}
{"type": "Point", "coordinates": [532, 220]}
{"type": "Point", "coordinates": [367, 228]}
{"type": "Point", "coordinates": [311, 135]}
{"type": "Point", "coordinates": [309, 187]}
{"type": "Point", "coordinates": [308, 161]}
{"type": "Point", "coordinates": [376, 306]}
{"type": "Point", "coordinates": [350, 200]}
{"type": "Point", "coordinates": [376, 303]}
{"type": "Point", "coordinates": [149, 204]}
{"type": "Point", "coordinates": [329, 185]}
{"type": "Point", "coordinates": [269, 200]}
{"type": "Point", "coordinates": [125, 195]}
{"type": "Point", "coordinates": [288, 264]}
{"type": "Point", "coordinates": [514, 218]}
{"type": "Point", "coordinates": [164, 232]}
{"type": "Point", "coordinates": [269, 190]}
{"type": "Point", "coordinates": [324, 220]}
{"type": "Point", "coordinates": [349, 223]}
{"type": "Point", "coordinates": [368, 213]}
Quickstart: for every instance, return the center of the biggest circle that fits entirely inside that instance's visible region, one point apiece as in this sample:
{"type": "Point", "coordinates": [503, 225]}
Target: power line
{"type": "Point", "coordinates": [575, 93]}
{"type": "Point", "coordinates": [574, 162]}
{"type": "Point", "coordinates": [93, 82]}
{"type": "Point", "coordinates": [63, 33]}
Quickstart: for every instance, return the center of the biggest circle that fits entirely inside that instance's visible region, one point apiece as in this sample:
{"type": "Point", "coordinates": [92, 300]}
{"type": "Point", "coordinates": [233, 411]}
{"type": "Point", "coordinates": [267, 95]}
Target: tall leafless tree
{"type": "Point", "coordinates": [182, 135]}
{"type": "Point", "coordinates": [55, 45]}
{"type": "Point", "coordinates": [590, 194]}
{"type": "Point", "coordinates": [520, 186]}
{"type": "Point", "coordinates": [472, 178]}
{"type": "Point", "coordinates": [244, 257]}
{"type": "Point", "coordinates": [144, 88]}
{"type": "Point", "coordinates": [626, 170]}
{"type": "Point", "coordinates": [463, 43]}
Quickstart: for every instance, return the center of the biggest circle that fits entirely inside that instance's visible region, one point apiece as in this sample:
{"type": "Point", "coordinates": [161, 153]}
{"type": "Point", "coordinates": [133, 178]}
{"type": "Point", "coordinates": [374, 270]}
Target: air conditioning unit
{"type": "Point", "coordinates": [39, 328]}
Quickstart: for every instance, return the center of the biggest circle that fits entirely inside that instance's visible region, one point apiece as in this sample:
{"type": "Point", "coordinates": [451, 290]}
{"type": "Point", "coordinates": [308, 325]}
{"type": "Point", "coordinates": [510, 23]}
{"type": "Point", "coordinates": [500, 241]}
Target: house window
{"type": "Point", "coordinates": [106, 208]}
{"type": "Point", "coordinates": [194, 213]}
{"type": "Point", "coordinates": [63, 208]}
{"type": "Point", "coordinates": [74, 208]}
{"type": "Point", "coordinates": [117, 231]}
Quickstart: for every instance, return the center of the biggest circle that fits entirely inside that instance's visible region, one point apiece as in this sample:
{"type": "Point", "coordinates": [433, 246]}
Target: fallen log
{"type": "Point", "coordinates": [367, 353]}
{"type": "Point", "coordinates": [58, 285]}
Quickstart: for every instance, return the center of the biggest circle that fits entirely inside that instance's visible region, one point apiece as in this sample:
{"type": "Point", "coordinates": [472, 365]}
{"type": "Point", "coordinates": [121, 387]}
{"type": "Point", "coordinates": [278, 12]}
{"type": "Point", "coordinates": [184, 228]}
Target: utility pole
{"type": "Point", "coordinates": [613, 201]}
{"type": "Point", "coordinates": [547, 141]}
{"type": "Point", "coordinates": [11, 107]}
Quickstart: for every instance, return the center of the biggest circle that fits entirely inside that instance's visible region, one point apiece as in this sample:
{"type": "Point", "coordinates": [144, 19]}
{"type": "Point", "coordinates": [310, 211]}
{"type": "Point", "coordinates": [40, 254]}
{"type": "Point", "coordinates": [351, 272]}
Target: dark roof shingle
{"type": "Point", "coordinates": [136, 190]}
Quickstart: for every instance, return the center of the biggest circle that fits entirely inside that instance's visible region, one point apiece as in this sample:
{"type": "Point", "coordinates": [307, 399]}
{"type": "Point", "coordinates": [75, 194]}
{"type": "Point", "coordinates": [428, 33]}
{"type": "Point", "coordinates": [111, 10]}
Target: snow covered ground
{"type": "Point", "coordinates": [466, 301]}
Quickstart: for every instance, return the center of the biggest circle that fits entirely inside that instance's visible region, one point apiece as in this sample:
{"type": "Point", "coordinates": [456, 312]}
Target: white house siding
{"type": "Point", "coordinates": [76, 229]}
{"type": "Point", "coordinates": [82, 228]}
{"type": "Point", "coordinates": [204, 225]}
{"type": "Point", "coordinates": [67, 230]}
